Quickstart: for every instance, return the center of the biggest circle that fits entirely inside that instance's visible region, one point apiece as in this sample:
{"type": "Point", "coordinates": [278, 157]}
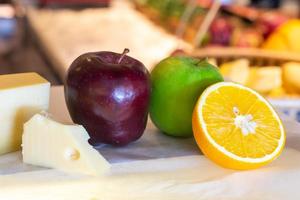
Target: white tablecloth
{"type": "Point", "coordinates": [154, 167]}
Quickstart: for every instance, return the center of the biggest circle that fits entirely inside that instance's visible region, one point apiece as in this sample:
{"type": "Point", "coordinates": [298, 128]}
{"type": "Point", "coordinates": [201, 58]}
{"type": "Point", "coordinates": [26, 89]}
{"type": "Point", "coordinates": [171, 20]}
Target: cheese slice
{"type": "Point", "coordinates": [21, 96]}
{"type": "Point", "coordinates": [51, 144]}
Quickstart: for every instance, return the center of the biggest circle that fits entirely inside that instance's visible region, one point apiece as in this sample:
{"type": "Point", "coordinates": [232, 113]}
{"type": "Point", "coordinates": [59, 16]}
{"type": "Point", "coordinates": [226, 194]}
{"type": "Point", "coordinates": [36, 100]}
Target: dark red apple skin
{"type": "Point", "coordinates": [108, 98]}
{"type": "Point", "coordinates": [220, 32]}
{"type": "Point", "coordinates": [268, 22]}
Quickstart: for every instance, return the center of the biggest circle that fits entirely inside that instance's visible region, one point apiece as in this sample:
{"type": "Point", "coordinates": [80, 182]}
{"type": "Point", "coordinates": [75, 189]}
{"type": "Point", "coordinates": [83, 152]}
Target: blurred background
{"type": "Point", "coordinates": [254, 42]}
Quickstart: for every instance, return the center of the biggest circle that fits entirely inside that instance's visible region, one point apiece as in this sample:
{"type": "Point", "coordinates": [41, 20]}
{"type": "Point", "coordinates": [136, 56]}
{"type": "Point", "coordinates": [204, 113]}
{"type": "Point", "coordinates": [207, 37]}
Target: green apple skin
{"type": "Point", "coordinates": [177, 83]}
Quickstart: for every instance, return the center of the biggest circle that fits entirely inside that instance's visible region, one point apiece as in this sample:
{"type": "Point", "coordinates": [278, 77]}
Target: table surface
{"type": "Point", "coordinates": [154, 167]}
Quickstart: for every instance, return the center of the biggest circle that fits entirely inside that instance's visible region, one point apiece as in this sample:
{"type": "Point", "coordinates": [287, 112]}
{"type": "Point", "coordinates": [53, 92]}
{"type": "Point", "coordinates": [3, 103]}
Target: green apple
{"type": "Point", "coordinates": [177, 83]}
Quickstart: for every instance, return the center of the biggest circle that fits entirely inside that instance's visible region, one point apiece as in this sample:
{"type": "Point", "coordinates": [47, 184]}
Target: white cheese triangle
{"type": "Point", "coordinates": [51, 144]}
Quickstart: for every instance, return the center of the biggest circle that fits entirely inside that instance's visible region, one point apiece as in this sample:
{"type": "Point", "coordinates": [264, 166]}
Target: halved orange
{"type": "Point", "coordinates": [236, 127]}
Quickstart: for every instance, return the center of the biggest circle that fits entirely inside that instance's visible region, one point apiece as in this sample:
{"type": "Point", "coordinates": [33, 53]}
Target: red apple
{"type": "Point", "coordinates": [220, 32]}
{"type": "Point", "coordinates": [270, 21]}
{"type": "Point", "coordinates": [108, 93]}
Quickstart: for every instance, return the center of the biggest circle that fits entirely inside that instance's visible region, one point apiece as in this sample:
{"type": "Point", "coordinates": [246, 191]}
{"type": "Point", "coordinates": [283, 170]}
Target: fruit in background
{"type": "Point", "coordinates": [205, 3]}
{"type": "Point", "coordinates": [174, 8]}
{"type": "Point", "coordinates": [290, 76]}
{"type": "Point", "coordinates": [264, 79]}
{"type": "Point", "coordinates": [220, 32]}
{"type": "Point", "coordinates": [236, 127]}
{"type": "Point", "coordinates": [237, 71]}
{"type": "Point", "coordinates": [268, 22]}
{"type": "Point", "coordinates": [158, 5]}
{"type": "Point", "coordinates": [177, 83]}
{"type": "Point", "coordinates": [285, 38]}
{"type": "Point", "coordinates": [108, 93]}
{"type": "Point", "coordinates": [246, 38]}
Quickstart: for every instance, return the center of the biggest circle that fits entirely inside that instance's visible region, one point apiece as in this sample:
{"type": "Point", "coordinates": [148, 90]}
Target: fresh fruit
{"type": "Point", "coordinates": [246, 38]}
{"type": "Point", "coordinates": [285, 38]}
{"type": "Point", "coordinates": [290, 76]}
{"type": "Point", "coordinates": [177, 83]}
{"type": "Point", "coordinates": [220, 31]}
{"type": "Point", "coordinates": [268, 22]}
{"type": "Point", "coordinates": [236, 127]}
{"type": "Point", "coordinates": [264, 79]}
{"type": "Point", "coordinates": [108, 93]}
{"type": "Point", "coordinates": [237, 71]}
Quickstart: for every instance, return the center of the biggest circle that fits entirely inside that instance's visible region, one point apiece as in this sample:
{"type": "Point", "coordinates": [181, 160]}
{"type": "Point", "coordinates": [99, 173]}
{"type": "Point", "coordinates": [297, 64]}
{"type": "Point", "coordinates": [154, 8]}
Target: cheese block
{"type": "Point", "coordinates": [291, 77]}
{"type": "Point", "coordinates": [51, 144]}
{"type": "Point", "coordinates": [236, 71]}
{"type": "Point", "coordinates": [265, 79]}
{"type": "Point", "coordinates": [21, 96]}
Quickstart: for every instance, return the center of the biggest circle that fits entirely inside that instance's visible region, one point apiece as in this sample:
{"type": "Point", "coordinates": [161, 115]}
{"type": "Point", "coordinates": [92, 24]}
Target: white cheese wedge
{"type": "Point", "coordinates": [51, 144]}
{"type": "Point", "coordinates": [21, 96]}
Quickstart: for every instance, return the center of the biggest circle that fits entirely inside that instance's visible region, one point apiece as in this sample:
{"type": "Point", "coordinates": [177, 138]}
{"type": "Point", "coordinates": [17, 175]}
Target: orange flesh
{"type": "Point", "coordinates": [219, 119]}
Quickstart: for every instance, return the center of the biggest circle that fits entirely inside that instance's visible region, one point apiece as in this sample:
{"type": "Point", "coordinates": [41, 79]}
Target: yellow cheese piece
{"type": "Point", "coordinates": [21, 96]}
{"type": "Point", "coordinates": [291, 77]}
{"type": "Point", "coordinates": [236, 71]}
{"type": "Point", "coordinates": [277, 93]}
{"type": "Point", "coordinates": [265, 79]}
{"type": "Point", "coordinates": [51, 144]}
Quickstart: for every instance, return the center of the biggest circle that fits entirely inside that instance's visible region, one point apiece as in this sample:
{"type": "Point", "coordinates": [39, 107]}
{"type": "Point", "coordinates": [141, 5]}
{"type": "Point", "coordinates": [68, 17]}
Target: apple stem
{"type": "Point", "coordinates": [126, 51]}
{"type": "Point", "coordinates": [202, 60]}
